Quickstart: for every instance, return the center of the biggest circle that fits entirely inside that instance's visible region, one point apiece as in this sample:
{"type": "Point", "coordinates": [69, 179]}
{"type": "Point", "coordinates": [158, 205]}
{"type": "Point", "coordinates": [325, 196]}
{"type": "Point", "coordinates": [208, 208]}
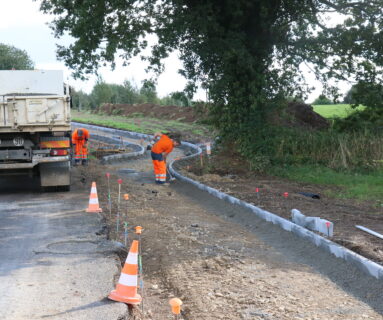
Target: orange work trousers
{"type": "Point", "coordinates": [81, 151]}
{"type": "Point", "coordinates": [159, 166]}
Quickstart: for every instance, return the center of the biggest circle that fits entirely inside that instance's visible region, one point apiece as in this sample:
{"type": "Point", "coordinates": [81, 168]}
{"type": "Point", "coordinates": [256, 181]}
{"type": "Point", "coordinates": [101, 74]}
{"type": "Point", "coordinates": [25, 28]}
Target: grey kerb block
{"type": "Point", "coordinates": [313, 223]}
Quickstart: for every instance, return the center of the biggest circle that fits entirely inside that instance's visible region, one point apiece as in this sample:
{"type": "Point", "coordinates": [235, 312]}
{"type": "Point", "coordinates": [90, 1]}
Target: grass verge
{"type": "Point", "coordinates": [144, 124]}
{"type": "Point", "coordinates": [362, 186]}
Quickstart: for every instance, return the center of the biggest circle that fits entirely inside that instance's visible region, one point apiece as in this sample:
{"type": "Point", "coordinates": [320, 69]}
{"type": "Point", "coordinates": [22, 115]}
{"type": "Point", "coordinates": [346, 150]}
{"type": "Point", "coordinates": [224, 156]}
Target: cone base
{"type": "Point", "coordinates": [93, 210]}
{"type": "Point", "coordinates": [114, 295]}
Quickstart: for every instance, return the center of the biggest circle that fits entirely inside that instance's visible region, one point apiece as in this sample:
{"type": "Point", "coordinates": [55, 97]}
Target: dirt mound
{"type": "Point", "coordinates": [303, 115]}
{"type": "Point", "coordinates": [185, 114]}
{"type": "Point", "coordinates": [297, 114]}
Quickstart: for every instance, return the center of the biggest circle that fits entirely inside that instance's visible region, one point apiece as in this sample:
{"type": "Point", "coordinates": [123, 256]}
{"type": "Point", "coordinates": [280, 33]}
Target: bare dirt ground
{"type": "Point", "coordinates": [231, 176]}
{"type": "Point", "coordinates": [184, 114]}
{"type": "Point", "coordinates": [223, 262]}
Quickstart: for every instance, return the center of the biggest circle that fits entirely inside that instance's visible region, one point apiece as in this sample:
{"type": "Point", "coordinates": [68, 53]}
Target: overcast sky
{"type": "Point", "coordinates": [22, 25]}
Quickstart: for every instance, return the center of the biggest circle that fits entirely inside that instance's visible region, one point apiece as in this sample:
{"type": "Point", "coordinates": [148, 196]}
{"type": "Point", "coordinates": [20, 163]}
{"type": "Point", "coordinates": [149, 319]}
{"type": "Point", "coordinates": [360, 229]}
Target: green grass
{"type": "Point", "coordinates": [335, 110]}
{"type": "Point", "coordinates": [340, 184]}
{"type": "Point", "coordinates": [363, 186]}
{"type": "Point", "coordinates": [142, 124]}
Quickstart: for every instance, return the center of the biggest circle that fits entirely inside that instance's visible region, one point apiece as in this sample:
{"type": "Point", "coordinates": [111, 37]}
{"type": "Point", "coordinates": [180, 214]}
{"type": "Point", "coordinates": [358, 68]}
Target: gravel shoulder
{"type": "Point", "coordinates": [232, 177]}
{"type": "Point", "coordinates": [223, 262]}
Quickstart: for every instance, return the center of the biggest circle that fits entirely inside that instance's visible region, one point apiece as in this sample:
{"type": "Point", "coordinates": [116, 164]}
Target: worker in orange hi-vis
{"type": "Point", "coordinates": [80, 139]}
{"type": "Point", "coordinates": [160, 151]}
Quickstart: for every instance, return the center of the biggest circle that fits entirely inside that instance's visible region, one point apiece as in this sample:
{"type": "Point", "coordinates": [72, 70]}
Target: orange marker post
{"type": "Point", "coordinates": [175, 303]}
{"type": "Point", "coordinates": [126, 198]}
{"type": "Point", "coordinates": [257, 192]}
{"type": "Point", "coordinates": [138, 230]}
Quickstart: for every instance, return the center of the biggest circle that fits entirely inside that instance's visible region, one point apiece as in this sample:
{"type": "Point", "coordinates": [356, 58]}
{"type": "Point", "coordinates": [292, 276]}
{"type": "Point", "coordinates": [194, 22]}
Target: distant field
{"type": "Point", "coordinates": [335, 110]}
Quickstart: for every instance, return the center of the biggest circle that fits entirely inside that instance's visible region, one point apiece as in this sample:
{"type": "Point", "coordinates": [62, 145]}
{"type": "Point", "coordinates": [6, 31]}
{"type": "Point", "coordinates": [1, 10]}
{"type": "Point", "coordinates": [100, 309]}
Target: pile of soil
{"type": "Point", "coordinates": [299, 115]}
{"type": "Point", "coordinates": [184, 114]}
{"type": "Point", "coordinates": [306, 117]}
{"type": "Point", "coordinates": [296, 114]}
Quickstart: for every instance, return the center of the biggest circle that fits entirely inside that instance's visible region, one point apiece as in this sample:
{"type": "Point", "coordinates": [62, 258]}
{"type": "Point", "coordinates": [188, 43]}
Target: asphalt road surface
{"type": "Point", "coordinates": [52, 263]}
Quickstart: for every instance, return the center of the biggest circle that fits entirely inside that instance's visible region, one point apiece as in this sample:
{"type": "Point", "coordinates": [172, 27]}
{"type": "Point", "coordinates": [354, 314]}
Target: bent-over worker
{"type": "Point", "coordinates": [160, 151]}
{"type": "Point", "coordinates": [80, 139]}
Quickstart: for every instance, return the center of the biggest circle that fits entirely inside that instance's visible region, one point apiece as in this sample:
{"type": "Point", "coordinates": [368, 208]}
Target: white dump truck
{"type": "Point", "coordinates": [35, 126]}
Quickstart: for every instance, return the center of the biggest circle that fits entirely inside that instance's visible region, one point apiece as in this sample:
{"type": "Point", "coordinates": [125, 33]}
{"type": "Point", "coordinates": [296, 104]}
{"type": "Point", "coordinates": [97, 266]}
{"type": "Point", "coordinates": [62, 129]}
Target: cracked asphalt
{"type": "Point", "coordinates": [51, 255]}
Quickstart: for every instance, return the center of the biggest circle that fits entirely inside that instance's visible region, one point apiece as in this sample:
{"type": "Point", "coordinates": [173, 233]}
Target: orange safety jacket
{"type": "Point", "coordinates": [165, 144]}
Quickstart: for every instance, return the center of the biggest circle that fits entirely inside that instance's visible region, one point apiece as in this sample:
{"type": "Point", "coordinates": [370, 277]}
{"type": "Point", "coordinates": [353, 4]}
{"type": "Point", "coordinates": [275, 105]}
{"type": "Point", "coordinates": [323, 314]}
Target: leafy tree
{"type": "Point", "coordinates": [130, 93]}
{"type": "Point", "coordinates": [322, 99]}
{"type": "Point", "coordinates": [80, 100]}
{"type": "Point", "coordinates": [348, 98]}
{"type": "Point", "coordinates": [148, 91]}
{"type": "Point", "coordinates": [246, 53]}
{"type": "Point", "coordinates": [101, 93]}
{"type": "Point", "coordinates": [180, 99]}
{"type": "Point", "coordinates": [13, 58]}
{"type": "Point", "coordinates": [368, 94]}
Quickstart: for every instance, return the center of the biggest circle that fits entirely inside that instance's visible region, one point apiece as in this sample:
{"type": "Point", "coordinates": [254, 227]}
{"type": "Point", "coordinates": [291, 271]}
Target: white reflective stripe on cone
{"type": "Point", "coordinates": [93, 190]}
{"type": "Point", "coordinates": [128, 280]}
{"type": "Point", "coordinates": [132, 258]}
{"type": "Point", "coordinates": [93, 201]}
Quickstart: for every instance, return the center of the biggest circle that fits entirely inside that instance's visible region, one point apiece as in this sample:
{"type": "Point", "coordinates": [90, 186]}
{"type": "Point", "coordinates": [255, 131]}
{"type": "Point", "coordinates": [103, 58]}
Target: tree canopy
{"type": "Point", "coordinates": [13, 58]}
{"type": "Point", "coordinates": [248, 54]}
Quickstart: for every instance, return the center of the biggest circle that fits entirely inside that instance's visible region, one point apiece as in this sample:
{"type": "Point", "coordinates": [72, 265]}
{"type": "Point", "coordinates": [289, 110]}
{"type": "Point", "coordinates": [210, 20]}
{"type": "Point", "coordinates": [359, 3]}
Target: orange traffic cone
{"type": "Point", "coordinates": [93, 200]}
{"type": "Point", "coordinates": [126, 289]}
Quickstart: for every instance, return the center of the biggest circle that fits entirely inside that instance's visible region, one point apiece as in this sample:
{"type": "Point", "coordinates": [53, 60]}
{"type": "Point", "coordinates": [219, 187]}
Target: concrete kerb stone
{"type": "Point", "coordinates": [365, 265]}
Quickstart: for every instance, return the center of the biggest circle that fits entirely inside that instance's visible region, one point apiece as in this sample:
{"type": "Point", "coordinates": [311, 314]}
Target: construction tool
{"type": "Point", "coordinates": [171, 178]}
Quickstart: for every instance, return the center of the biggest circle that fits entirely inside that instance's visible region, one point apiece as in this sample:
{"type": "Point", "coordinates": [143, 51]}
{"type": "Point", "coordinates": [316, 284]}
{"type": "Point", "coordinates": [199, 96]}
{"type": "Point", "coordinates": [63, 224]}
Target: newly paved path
{"type": "Point", "coordinates": [52, 263]}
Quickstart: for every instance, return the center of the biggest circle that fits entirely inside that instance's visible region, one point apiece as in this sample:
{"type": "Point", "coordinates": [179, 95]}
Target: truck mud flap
{"type": "Point", "coordinates": [55, 174]}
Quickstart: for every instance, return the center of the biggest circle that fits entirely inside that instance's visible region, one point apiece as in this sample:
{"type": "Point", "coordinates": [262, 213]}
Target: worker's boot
{"type": "Point", "coordinates": [84, 162]}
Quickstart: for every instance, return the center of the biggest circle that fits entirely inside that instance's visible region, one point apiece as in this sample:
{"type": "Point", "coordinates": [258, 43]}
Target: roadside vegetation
{"type": "Point", "coordinates": [247, 55]}
{"type": "Point", "coordinates": [336, 110]}
{"type": "Point", "coordinates": [352, 185]}
{"type": "Point", "coordinates": [143, 124]}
